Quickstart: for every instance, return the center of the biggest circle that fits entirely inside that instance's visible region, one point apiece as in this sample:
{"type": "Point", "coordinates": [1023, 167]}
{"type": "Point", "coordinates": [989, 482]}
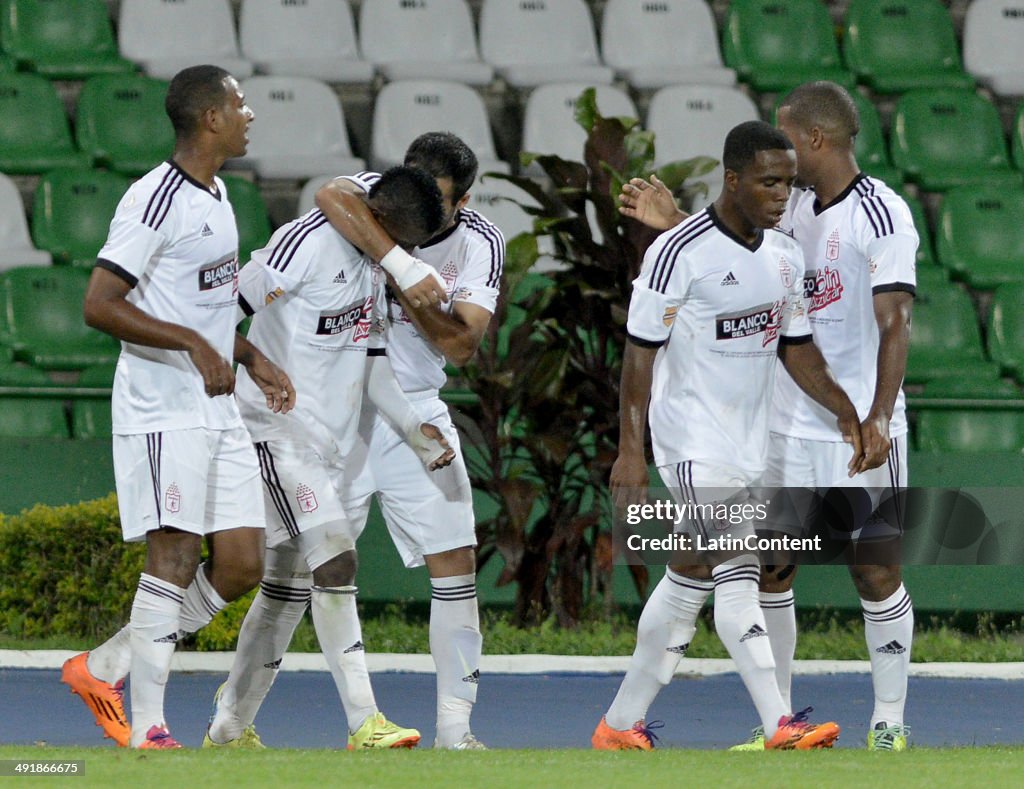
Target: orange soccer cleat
{"type": "Point", "coordinates": [795, 733]}
{"type": "Point", "coordinates": [105, 701]}
{"type": "Point", "coordinates": [640, 737]}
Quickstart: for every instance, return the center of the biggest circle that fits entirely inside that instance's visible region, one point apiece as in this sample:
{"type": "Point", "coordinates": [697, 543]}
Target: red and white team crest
{"type": "Point", "coordinates": [172, 498]}
{"type": "Point", "coordinates": [449, 273]}
{"type": "Point", "coordinates": [832, 246]}
{"type": "Point", "coordinates": [306, 498]}
{"type": "Point", "coordinates": [786, 272]}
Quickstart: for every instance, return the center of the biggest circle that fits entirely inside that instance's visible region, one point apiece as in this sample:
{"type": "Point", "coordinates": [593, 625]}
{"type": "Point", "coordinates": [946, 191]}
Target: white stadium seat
{"type": "Point", "coordinates": [307, 197]}
{"type": "Point", "coordinates": [493, 198]}
{"type": "Point", "coordinates": [165, 37]}
{"type": "Point", "coordinates": [314, 38]}
{"type": "Point", "coordinates": [406, 109]}
{"type": "Point", "coordinates": [693, 120]}
{"type": "Point", "coordinates": [16, 248]}
{"type": "Point", "coordinates": [993, 35]}
{"type": "Point", "coordinates": [653, 43]}
{"type": "Point", "coordinates": [422, 39]}
{"type": "Point", "coordinates": [299, 129]}
{"type": "Point", "coordinates": [532, 42]}
{"type": "Point", "coordinates": [549, 124]}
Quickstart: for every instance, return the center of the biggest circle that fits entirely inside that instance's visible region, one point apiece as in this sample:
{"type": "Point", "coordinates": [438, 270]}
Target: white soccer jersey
{"type": "Point", "coordinates": [862, 243]}
{"type": "Point", "coordinates": [469, 257]}
{"type": "Point", "coordinates": [176, 243]}
{"type": "Point", "coordinates": [314, 297]}
{"type": "Point", "coordinates": [718, 308]}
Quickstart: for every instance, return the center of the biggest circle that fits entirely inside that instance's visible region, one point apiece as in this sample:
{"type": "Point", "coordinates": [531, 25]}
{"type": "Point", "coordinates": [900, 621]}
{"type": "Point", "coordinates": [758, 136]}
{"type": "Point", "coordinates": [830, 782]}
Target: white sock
{"type": "Point", "coordinates": [740, 625]}
{"type": "Point", "coordinates": [154, 633]}
{"type": "Point", "coordinates": [201, 604]}
{"type": "Point", "coordinates": [780, 621]}
{"type": "Point", "coordinates": [341, 640]}
{"type": "Point", "coordinates": [889, 632]}
{"type": "Point", "coordinates": [455, 644]}
{"type": "Point", "coordinates": [666, 626]}
{"type": "Point", "coordinates": [266, 631]}
{"type": "Point", "coordinates": [112, 659]}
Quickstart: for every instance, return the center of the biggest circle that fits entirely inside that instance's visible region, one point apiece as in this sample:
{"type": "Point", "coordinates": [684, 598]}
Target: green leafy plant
{"type": "Point", "coordinates": [544, 429]}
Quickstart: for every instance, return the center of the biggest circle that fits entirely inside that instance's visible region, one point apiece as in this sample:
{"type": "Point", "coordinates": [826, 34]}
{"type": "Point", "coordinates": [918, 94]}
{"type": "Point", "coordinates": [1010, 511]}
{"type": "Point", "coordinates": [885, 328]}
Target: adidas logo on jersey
{"type": "Point", "coordinates": [172, 638]}
{"type": "Point", "coordinates": [356, 647]}
{"type": "Point", "coordinates": [206, 231]}
{"type": "Point", "coordinates": [894, 647]}
{"type": "Point", "coordinates": [473, 679]}
{"type": "Point", "coordinates": [679, 650]}
{"type": "Point", "coordinates": [756, 631]}
{"type": "Point", "coordinates": [339, 278]}
{"type": "Point", "coordinates": [730, 279]}
{"type": "Point", "coordinates": [275, 665]}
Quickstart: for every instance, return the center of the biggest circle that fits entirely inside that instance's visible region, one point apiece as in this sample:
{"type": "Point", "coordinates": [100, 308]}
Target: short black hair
{"type": "Point", "coordinates": [444, 155]}
{"type": "Point", "coordinates": [192, 92]}
{"type": "Point", "coordinates": [744, 141]}
{"type": "Point", "coordinates": [408, 199]}
{"type": "Point", "coordinates": [826, 105]}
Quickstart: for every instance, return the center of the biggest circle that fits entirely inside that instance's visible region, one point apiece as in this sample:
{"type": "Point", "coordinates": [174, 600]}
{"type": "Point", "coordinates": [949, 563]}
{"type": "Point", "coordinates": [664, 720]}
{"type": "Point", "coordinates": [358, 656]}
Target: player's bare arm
{"type": "Point", "coordinates": [892, 314]}
{"type": "Point", "coordinates": [804, 362]}
{"type": "Point", "coordinates": [651, 203]}
{"type": "Point", "coordinates": [629, 472]}
{"type": "Point", "coordinates": [341, 201]}
{"type": "Point", "coordinates": [271, 379]}
{"type": "Point", "coordinates": [456, 334]}
{"type": "Point", "coordinates": [107, 309]}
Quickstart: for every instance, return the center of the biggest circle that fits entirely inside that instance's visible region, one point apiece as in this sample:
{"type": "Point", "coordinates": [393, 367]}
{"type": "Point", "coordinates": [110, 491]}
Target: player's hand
{"type": "Point", "coordinates": [273, 382]}
{"type": "Point", "coordinates": [628, 481]}
{"type": "Point", "coordinates": [429, 290]}
{"type": "Point", "coordinates": [431, 446]}
{"type": "Point", "coordinates": [649, 202]}
{"type": "Point", "coordinates": [218, 376]}
{"type": "Point", "coordinates": [849, 426]}
{"type": "Point", "coordinates": [874, 432]}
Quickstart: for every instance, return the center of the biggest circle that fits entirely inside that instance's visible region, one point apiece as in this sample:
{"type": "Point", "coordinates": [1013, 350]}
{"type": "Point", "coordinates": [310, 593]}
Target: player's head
{"type": "Point", "coordinates": [760, 167]}
{"type": "Point", "coordinates": [407, 203]}
{"type": "Point", "coordinates": [208, 99]}
{"type": "Point", "coordinates": [822, 120]}
{"type": "Point", "coordinates": [453, 163]}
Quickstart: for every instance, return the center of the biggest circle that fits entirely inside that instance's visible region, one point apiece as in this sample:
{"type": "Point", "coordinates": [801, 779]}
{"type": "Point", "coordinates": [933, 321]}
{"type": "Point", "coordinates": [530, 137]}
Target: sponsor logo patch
{"type": "Point", "coordinates": [764, 318]}
{"type": "Point", "coordinates": [822, 288]}
{"type": "Point", "coordinates": [331, 323]}
{"type": "Point", "coordinates": [218, 274]}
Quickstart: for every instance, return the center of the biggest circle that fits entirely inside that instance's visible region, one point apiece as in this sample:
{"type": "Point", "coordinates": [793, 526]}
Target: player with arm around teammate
{"type": "Point", "coordinates": [859, 245]}
{"type": "Point", "coordinates": [165, 284]}
{"type": "Point", "coordinates": [716, 301]}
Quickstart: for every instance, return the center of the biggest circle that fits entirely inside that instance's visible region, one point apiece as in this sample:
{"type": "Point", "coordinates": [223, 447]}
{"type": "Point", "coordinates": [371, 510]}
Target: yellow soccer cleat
{"type": "Point", "coordinates": [105, 701]}
{"type": "Point", "coordinates": [888, 738]}
{"type": "Point", "coordinates": [755, 743]}
{"type": "Point", "coordinates": [378, 732]}
{"type": "Point", "coordinates": [795, 733]}
{"type": "Point", "coordinates": [248, 740]}
{"type": "Point", "coordinates": [640, 737]}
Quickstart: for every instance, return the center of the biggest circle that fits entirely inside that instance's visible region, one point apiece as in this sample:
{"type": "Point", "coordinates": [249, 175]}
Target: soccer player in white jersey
{"type": "Point", "coordinates": [717, 300]}
{"type": "Point", "coordinates": [165, 284]}
{"type": "Point", "coordinates": [859, 245]}
{"type": "Point", "coordinates": [318, 305]}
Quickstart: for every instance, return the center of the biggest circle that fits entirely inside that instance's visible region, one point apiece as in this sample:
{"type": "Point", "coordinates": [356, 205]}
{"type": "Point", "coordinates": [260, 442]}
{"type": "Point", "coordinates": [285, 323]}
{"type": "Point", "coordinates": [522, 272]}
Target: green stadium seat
{"type": "Point", "coordinates": [90, 416]}
{"type": "Point", "coordinates": [776, 45]}
{"type": "Point", "coordinates": [946, 338]}
{"type": "Point", "coordinates": [980, 235]}
{"type": "Point", "coordinates": [6, 64]}
{"type": "Point", "coordinates": [1017, 137]}
{"type": "Point", "coordinates": [44, 319]}
{"type": "Point", "coordinates": [930, 278]}
{"type": "Point", "coordinates": [72, 212]}
{"type": "Point", "coordinates": [121, 122]}
{"type": "Point", "coordinates": [898, 45]}
{"type": "Point", "coordinates": [943, 138]}
{"type": "Point", "coordinates": [34, 132]}
{"type": "Point", "coordinates": [250, 215]}
{"type": "Point", "coordinates": [26, 416]}
{"type": "Point", "coordinates": [1006, 329]}
{"type": "Point", "coordinates": [971, 430]}
{"type": "Point", "coordinates": [925, 253]}
{"type": "Point", "coordinates": [72, 39]}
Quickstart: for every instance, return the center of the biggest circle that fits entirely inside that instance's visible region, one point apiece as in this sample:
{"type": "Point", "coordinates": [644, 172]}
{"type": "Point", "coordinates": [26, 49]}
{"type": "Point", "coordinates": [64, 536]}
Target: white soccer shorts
{"type": "Point", "coordinates": [196, 480]}
{"type": "Point", "coordinates": [702, 489]}
{"type": "Point", "coordinates": [426, 512]}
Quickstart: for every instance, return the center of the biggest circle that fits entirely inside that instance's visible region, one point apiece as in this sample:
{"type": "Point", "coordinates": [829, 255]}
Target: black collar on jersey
{"type": "Point", "coordinates": [752, 247]}
{"type": "Point", "coordinates": [215, 192]}
{"type": "Point", "coordinates": [442, 236]}
{"type": "Point", "coordinates": [819, 208]}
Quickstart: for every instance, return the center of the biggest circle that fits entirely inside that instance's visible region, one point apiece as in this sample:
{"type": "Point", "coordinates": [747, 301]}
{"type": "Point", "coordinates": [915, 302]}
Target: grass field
{"type": "Point", "coordinates": [919, 767]}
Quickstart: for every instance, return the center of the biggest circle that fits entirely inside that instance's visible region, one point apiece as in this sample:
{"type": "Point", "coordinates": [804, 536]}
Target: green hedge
{"type": "Point", "coordinates": [65, 571]}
